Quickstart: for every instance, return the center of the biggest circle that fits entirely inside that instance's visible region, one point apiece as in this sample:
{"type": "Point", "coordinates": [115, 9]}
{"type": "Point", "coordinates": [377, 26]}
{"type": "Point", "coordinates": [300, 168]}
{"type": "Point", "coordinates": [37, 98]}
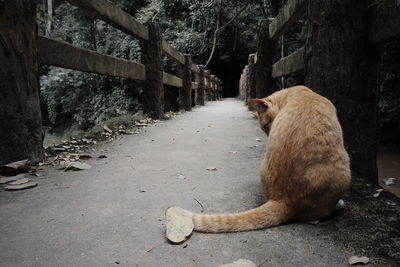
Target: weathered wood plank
{"type": "Point", "coordinates": [288, 15]}
{"type": "Point", "coordinates": [61, 54]}
{"type": "Point", "coordinates": [194, 85]}
{"type": "Point", "coordinates": [384, 21]}
{"type": "Point", "coordinates": [291, 64]}
{"type": "Point", "coordinates": [114, 16]}
{"type": "Point", "coordinates": [172, 80]}
{"type": "Point", "coordinates": [172, 53]}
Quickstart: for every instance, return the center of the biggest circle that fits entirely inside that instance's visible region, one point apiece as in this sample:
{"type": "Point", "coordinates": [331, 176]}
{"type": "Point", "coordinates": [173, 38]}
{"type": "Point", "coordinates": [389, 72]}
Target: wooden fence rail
{"type": "Point", "coordinates": [61, 54]}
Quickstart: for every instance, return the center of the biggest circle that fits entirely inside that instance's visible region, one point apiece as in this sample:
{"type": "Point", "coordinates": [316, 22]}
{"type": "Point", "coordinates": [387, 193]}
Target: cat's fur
{"type": "Point", "coordinates": [305, 170]}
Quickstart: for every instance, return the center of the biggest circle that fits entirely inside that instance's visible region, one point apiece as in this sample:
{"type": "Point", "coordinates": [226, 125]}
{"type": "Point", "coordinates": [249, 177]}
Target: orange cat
{"type": "Point", "coordinates": [305, 170]}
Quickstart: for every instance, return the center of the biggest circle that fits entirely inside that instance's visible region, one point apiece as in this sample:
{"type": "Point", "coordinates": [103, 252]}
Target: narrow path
{"type": "Point", "coordinates": [114, 213]}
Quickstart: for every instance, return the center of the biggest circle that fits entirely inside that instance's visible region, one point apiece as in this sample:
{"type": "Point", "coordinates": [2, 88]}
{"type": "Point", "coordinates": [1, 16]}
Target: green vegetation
{"type": "Point", "coordinates": [214, 30]}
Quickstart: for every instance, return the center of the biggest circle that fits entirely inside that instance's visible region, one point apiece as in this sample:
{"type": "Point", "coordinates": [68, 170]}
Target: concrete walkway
{"type": "Point", "coordinates": [113, 214]}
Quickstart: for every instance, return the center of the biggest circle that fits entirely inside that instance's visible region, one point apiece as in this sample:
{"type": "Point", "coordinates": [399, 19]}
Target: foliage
{"type": "Point", "coordinates": [77, 98]}
{"type": "Point", "coordinates": [73, 97]}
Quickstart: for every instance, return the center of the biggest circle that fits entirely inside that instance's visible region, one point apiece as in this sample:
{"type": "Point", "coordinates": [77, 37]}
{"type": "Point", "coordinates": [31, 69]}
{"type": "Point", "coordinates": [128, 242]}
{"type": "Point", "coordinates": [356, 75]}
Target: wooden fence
{"type": "Point", "coordinates": [150, 70]}
{"type": "Point", "coordinates": [384, 24]}
{"type": "Point", "coordinates": [340, 60]}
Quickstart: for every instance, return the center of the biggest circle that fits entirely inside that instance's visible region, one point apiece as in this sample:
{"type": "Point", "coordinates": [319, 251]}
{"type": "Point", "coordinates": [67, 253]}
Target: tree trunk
{"type": "Point", "coordinates": [264, 61]}
{"type": "Point", "coordinates": [337, 68]}
{"type": "Point", "coordinates": [153, 93]}
{"type": "Point", "coordinates": [20, 118]}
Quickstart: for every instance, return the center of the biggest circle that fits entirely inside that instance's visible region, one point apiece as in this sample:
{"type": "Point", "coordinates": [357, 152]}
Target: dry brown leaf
{"type": "Point", "coordinates": [105, 127]}
{"type": "Point", "coordinates": [356, 259]}
{"type": "Point", "coordinates": [240, 263]}
{"type": "Point", "coordinates": [179, 224]}
{"type": "Point", "coordinates": [4, 180]}
{"type": "Point", "coordinates": [68, 165]}
{"type": "Point", "coordinates": [20, 186]}
{"type": "Point", "coordinates": [84, 156]}
{"type": "Point", "coordinates": [20, 181]}
{"type": "Point", "coordinates": [21, 164]}
{"type": "Point", "coordinates": [211, 168]}
{"type": "Point", "coordinates": [378, 192]}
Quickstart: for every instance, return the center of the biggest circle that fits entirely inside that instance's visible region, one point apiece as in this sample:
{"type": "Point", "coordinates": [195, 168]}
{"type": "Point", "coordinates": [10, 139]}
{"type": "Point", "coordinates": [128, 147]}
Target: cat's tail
{"type": "Point", "coordinates": [271, 213]}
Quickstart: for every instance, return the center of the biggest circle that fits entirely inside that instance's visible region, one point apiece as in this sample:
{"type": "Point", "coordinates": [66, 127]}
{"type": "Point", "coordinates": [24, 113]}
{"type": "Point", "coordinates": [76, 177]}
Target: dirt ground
{"type": "Point", "coordinates": [113, 213]}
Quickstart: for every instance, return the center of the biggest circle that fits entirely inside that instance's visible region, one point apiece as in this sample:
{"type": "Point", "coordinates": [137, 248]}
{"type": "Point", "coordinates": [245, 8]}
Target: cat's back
{"type": "Point", "coordinates": [306, 114]}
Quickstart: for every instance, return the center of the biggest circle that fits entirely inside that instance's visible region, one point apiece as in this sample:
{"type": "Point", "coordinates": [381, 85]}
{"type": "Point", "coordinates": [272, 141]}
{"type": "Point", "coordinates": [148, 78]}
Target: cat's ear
{"type": "Point", "coordinates": [260, 105]}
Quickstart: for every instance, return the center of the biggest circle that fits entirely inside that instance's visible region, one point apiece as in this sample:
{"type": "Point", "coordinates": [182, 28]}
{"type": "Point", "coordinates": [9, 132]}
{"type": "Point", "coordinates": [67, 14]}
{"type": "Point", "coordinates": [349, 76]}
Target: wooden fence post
{"type": "Point", "coordinates": [200, 86]}
{"type": "Point", "coordinates": [246, 84]}
{"type": "Point", "coordinates": [20, 116]}
{"type": "Point", "coordinates": [153, 91]}
{"type": "Point", "coordinates": [252, 77]}
{"type": "Point", "coordinates": [220, 88]}
{"type": "Point", "coordinates": [342, 75]}
{"type": "Point", "coordinates": [264, 60]}
{"type": "Point", "coordinates": [185, 92]}
{"type": "Point", "coordinates": [208, 84]}
{"type": "Point", "coordinates": [212, 90]}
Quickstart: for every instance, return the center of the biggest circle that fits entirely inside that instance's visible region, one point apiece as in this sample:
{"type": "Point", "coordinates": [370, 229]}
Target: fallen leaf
{"type": "Point", "coordinates": [102, 156]}
{"type": "Point", "coordinates": [4, 180]}
{"type": "Point", "coordinates": [20, 186]}
{"type": "Point", "coordinates": [105, 127]}
{"type": "Point", "coordinates": [57, 148]}
{"type": "Point", "coordinates": [258, 140]}
{"type": "Point", "coordinates": [179, 224]}
{"type": "Point", "coordinates": [20, 181]}
{"type": "Point", "coordinates": [233, 152]}
{"type": "Point", "coordinates": [378, 192]}
{"type": "Point", "coordinates": [128, 132]}
{"type": "Point", "coordinates": [356, 259]}
{"type": "Point", "coordinates": [68, 165]}
{"type": "Point", "coordinates": [181, 177]}
{"type": "Point", "coordinates": [240, 263]}
{"type": "Point", "coordinates": [391, 182]}
{"type": "Point", "coordinates": [314, 222]}
{"type": "Point", "coordinates": [211, 168]}
{"type": "Point", "coordinates": [84, 156]}
{"type": "Point", "coordinates": [17, 164]}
